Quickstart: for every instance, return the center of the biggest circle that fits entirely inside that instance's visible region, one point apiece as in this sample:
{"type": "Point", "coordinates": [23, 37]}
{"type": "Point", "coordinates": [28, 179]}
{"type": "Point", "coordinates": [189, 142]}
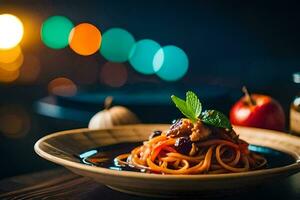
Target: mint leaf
{"type": "Point", "coordinates": [216, 118]}
{"type": "Point", "coordinates": [182, 106]}
{"type": "Point", "coordinates": [192, 109]}
{"type": "Point", "coordinates": [193, 104]}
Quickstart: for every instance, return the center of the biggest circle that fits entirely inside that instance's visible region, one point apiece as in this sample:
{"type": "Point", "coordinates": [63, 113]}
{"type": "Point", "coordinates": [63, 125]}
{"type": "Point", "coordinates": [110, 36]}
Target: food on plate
{"type": "Point", "coordinates": [202, 143]}
{"type": "Point", "coordinates": [257, 110]}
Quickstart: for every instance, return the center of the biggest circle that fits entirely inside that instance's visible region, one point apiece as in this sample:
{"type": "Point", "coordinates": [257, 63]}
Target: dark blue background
{"type": "Point", "coordinates": [229, 44]}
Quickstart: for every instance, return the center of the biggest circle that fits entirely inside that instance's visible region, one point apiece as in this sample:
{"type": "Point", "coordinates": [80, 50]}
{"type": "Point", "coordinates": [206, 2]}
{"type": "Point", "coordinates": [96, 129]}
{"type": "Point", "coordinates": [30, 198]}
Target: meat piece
{"type": "Point", "coordinates": [180, 128]}
{"type": "Point", "coordinates": [199, 132]}
{"type": "Point", "coordinates": [222, 133]}
{"type": "Point", "coordinates": [183, 145]}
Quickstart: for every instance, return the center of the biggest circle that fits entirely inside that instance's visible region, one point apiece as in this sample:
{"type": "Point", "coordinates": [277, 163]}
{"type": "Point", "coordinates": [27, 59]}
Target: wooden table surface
{"type": "Point", "coordinates": [63, 184]}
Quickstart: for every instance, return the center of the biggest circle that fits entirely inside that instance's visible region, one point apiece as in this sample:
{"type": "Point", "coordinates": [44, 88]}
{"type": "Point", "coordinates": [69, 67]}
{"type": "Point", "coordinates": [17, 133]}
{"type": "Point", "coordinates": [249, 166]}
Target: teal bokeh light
{"type": "Point", "coordinates": [142, 55]}
{"type": "Point", "coordinates": [116, 45]}
{"type": "Point", "coordinates": [170, 63]}
{"type": "Point", "coordinates": [55, 32]}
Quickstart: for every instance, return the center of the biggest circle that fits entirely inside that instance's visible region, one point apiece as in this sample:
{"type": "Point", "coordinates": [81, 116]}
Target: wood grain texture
{"type": "Point", "coordinates": [62, 184]}
{"type": "Point", "coordinates": [53, 184]}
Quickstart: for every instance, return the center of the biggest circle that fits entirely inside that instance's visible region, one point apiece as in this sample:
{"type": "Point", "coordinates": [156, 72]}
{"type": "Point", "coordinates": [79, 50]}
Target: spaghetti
{"type": "Point", "coordinates": [193, 148]}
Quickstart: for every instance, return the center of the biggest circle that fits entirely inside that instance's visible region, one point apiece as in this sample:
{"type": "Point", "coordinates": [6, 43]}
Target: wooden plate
{"type": "Point", "coordinates": [61, 147]}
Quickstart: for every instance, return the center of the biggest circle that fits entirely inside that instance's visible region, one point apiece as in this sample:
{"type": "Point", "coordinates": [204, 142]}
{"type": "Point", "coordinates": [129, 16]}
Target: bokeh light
{"type": "Point", "coordinates": [62, 86]}
{"type": "Point", "coordinates": [9, 72]}
{"type": "Point", "coordinates": [13, 66]}
{"type": "Point", "coordinates": [55, 32]}
{"type": "Point", "coordinates": [85, 39]}
{"type": "Point", "coordinates": [30, 69]}
{"type": "Point", "coordinates": [14, 121]}
{"type": "Point", "coordinates": [11, 31]}
{"type": "Point", "coordinates": [10, 55]}
{"type": "Point", "coordinates": [116, 45]}
{"type": "Point", "coordinates": [142, 55]}
{"type": "Point", "coordinates": [8, 76]}
{"type": "Point", "coordinates": [170, 63]}
{"type": "Point", "coordinates": [113, 74]}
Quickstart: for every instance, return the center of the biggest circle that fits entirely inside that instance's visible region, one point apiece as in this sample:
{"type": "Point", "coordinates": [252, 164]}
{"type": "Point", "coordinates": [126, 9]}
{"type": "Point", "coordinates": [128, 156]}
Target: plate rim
{"type": "Point", "coordinates": [295, 167]}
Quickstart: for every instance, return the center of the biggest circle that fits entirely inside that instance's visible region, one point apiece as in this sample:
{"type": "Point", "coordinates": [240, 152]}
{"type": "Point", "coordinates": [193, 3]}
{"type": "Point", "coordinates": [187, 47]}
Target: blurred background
{"type": "Point", "coordinates": [63, 58]}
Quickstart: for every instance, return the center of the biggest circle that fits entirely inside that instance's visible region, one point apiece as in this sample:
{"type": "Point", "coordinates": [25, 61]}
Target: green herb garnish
{"type": "Point", "coordinates": [192, 108]}
{"type": "Point", "coordinates": [216, 118]}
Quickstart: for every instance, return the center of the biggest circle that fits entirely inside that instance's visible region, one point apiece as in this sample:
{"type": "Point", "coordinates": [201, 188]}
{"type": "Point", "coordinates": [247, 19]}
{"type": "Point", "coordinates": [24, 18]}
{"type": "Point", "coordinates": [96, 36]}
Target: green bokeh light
{"type": "Point", "coordinates": [116, 45]}
{"type": "Point", "coordinates": [55, 32]}
{"type": "Point", "coordinates": [170, 63]}
{"type": "Point", "coordinates": [142, 55]}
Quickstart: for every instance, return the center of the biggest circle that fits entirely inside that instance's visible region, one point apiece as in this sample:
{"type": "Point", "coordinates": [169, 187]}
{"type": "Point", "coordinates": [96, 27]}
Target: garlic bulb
{"type": "Point", "coordinates": [109, 117]}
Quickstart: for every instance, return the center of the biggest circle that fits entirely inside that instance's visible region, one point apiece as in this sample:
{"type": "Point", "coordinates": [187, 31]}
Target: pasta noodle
{"type": "Point", "coordinates": [213, 155]}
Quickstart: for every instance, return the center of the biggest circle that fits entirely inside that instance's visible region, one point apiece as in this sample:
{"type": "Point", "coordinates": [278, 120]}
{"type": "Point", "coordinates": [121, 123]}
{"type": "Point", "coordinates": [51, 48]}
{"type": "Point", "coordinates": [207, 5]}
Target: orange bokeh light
{"type": "Point", "coordinates": [8, 76]}
{"type": "Point", "coordinates": [62, 86]}
{"type": "Point", "coordinates": [85, 39]}
{"type": "Point", "coordinates": [10, 55]}
{"type": "Point", "coordinates": [13, 66]}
